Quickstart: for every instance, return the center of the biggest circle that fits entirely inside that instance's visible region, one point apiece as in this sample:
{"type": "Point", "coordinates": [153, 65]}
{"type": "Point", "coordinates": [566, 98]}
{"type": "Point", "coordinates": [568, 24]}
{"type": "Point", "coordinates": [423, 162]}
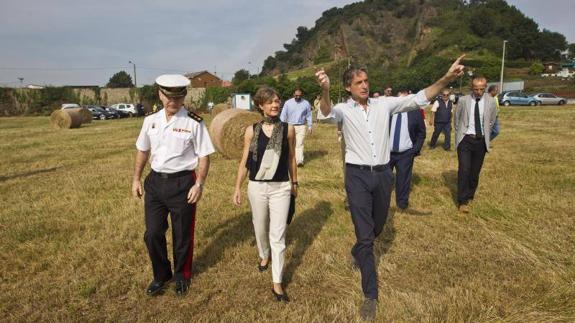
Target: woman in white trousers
{"type": "Point", "coordinates": [269, 160]}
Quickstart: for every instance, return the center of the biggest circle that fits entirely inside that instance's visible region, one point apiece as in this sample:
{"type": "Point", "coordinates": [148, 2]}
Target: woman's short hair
{"type": "Point", "coordinates": [264, 95]}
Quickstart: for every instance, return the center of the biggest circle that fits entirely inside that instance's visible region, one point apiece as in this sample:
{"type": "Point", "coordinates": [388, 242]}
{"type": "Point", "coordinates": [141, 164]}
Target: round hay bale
{"type": "Point", "coordinates": [65, 119]}
{"type": "Point", "coordinates": [220, 107]}
{"type": "Point", "coordinates": [227, 131]}
{"type": "Point", "coordinates": [86, 114]}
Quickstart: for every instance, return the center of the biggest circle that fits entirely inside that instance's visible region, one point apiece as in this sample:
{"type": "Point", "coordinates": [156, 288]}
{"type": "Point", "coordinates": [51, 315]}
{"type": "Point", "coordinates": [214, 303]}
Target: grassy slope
{"type": "Point", "coordinates": [71, 237]}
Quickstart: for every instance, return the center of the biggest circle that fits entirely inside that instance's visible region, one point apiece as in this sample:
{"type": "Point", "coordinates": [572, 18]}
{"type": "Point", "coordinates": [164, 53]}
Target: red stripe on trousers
{"type": "Point", "coordinates": [189, 259]}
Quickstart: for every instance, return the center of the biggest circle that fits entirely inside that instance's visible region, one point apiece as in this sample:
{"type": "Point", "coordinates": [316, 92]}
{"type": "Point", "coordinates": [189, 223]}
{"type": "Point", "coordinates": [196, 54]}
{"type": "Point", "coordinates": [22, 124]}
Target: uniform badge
{"type": "Point", "coordinates": [153, 125]}
{"type": "Point", "coordinates": [194, 116]}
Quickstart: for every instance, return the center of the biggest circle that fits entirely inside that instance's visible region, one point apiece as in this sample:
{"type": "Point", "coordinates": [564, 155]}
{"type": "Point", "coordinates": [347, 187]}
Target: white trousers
{"type": "Point", "coordinates": [299, 137]}
{"type": "Point", "coordinates": [270, 206]}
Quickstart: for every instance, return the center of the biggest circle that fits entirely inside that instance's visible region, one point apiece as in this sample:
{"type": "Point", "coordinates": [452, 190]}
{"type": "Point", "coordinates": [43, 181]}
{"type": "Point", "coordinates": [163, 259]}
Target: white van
{"type": "Point", "coordinates": [69, 106]}
{"type": "Point", "coordinates": [126, 107]}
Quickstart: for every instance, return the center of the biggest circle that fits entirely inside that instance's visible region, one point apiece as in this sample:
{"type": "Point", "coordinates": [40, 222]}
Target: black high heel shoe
{"type": "Point", "coordinates": [280, 297]}
{"type": "Point", "coordinates": [263, 268]}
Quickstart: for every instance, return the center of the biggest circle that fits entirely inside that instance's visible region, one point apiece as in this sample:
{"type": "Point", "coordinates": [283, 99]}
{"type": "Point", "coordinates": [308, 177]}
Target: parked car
{"type": "Point", "coordinates": [99, 113]}
{"type": "Point", "coordinates": [126, 107]}
{"type": "Point", "coordinates": [121, 114]}
{"type": "Point", "coordinates": [516, 98]}
{"type": "Point", "coordinates": [69, 106]}
{"type": "Point", "coordinates": [549, 98]}
{"type": "Point", "coordinates": [114, 113]}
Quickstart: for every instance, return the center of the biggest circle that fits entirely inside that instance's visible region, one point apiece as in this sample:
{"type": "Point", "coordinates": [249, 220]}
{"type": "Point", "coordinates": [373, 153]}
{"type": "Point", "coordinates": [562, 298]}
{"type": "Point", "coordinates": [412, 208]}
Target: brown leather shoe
{"type": "Point", "coordinates": [464, 208]}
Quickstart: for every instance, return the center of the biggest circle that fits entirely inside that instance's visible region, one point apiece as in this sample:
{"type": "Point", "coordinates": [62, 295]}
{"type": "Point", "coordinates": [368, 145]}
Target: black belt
{"type": "Point", "coordinates": [476, 137]}
{"type": "Point", "coordinates": [375, 168]}
{"type": "Point", "coordinates": [172, 175]}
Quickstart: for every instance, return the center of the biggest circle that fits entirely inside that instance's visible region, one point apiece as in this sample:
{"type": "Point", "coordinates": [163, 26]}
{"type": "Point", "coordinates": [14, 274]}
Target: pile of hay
{"type": "Point", "coordinates": [227, 131]}
{"type": "Point", "coordinates": [66, 119]}
{"type": "Point", "coordinates": [86, 114]}
{"type": "Point", "coordinates": [220, 107]}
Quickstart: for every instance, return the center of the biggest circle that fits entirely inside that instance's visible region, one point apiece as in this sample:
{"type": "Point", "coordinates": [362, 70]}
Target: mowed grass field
{"type": "Point", "coordinates": [72, 249]}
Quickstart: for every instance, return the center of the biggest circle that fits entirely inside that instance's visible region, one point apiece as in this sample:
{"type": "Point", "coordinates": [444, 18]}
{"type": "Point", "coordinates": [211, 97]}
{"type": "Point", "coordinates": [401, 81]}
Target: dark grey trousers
{"type": "Point", "coordinates": [368, 194]}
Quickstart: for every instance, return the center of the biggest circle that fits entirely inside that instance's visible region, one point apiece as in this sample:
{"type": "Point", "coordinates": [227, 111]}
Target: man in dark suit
{"type": "Point", "coordinates": [407, 134]}
{"type": "Point", "coordinates": [474, 120]}
{"type": "Point", "coordinates": [441, 120]}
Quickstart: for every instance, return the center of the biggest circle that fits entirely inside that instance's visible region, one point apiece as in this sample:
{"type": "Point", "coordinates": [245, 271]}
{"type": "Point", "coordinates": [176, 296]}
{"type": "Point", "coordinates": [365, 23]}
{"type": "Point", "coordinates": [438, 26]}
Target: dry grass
{"type": "Point", "coordinates": [71, 237]}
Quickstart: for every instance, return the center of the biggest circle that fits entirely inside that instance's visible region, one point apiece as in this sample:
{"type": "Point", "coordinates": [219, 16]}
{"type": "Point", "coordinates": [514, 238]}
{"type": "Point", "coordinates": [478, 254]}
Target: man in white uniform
{"type": "Point", "coordinates": [178, 144]}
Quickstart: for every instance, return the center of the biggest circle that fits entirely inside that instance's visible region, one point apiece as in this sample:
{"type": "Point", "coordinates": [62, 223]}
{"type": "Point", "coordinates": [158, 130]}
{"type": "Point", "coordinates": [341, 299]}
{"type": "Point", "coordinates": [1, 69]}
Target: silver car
{"type": "Point", "coordinates": [548, 98]}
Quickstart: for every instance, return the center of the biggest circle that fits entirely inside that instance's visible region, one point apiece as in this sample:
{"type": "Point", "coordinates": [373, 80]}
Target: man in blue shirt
{"type": "Point", "coordinates": [297, 111]}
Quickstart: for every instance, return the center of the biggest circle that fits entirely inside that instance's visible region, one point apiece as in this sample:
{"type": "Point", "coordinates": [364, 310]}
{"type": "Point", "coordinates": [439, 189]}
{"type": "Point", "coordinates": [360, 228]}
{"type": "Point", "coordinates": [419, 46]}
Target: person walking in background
{"type": "Point", "coordinates": [368, 179]}
{"type": "Point", "coordinates": [297, 111]}
{"type": "Point", "coordinates": [474, 120]}
{"type": "Point", "coordinates": [269, 160]}
{"type": "Point", "coordinates": [493, 90]}
{"type": "Point", "coordinates": [388, 91]}
{"type": "Point", "coordinates": [441, 120]}
{"type": "Point", "coordinates": [178, 145]}
{"type": "Point", "coordinates": [407, 134]}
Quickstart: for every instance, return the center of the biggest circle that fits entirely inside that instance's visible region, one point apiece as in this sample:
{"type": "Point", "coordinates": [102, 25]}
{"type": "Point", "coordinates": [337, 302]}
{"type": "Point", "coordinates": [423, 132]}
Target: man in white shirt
{"type": "Point", "coordinates": [178, 145]}
{"type": "Point", "coordinates": [368, 182]}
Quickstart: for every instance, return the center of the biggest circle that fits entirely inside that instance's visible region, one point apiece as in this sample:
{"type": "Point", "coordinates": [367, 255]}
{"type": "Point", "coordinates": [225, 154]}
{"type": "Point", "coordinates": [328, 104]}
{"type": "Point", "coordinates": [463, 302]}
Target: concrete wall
{"type": "Point", "coordinates": [18, 101]}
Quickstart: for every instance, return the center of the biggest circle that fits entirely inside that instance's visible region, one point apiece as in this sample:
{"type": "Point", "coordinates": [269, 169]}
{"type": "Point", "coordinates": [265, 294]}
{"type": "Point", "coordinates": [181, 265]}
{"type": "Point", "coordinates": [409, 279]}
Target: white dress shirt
{"type": "Point", "coordinates": [175, 145]}
{"type": "Point", "coordinates": [405, 142]}
{"type": "Point", "coordinates": [366, 132]}
{"type": "Point", "coordinates": [471, 120]}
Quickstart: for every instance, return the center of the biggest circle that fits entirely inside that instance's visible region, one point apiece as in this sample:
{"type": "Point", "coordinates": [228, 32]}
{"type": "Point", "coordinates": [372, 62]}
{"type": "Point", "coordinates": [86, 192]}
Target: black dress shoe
{"type": "Point", "coordinates": [182, 287]}
{"type": "Point", "coordinates": [155, 288]}
{"type": "Point", "coordinates": [280, 297]}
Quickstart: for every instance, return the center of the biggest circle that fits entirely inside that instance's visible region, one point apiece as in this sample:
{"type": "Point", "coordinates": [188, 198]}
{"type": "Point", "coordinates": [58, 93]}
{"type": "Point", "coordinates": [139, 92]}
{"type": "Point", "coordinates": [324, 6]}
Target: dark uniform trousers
{"type": "Point", "coordinates": [403, 164]}
{"type": "Point", "coordinates": [163, 196]}
{"type": "Point", "coordinates": [439, 127]}
{"type": "Point", "coordinates": [369, 195]}
{"type": "Point", "coordinates": [470, 153]}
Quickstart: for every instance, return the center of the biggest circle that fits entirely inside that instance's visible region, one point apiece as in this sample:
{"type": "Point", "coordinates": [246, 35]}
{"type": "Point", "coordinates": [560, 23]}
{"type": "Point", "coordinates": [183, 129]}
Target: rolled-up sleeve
{"type": "Point", "coordinates": [407, 103]}
{"type": "Point", "coordinates": [336, 112]}
{"type": "Point", "coordinates": [202, 141]}
{"type": "Point", "coordinates": [143, 141]}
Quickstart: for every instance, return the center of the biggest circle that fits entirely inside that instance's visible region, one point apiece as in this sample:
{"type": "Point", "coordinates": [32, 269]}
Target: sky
{"type": "Point", "coordinates": [80, 42]}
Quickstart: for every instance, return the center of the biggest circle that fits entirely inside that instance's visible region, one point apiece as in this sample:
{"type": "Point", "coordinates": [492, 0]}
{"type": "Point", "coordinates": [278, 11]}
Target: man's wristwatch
{"type": "Point", "coordinates": [295, 184]}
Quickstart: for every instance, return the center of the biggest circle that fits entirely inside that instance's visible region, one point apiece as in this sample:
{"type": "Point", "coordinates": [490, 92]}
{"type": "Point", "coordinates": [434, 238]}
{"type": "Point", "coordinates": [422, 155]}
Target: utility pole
{"type": "Point", "coordinates": [135, 80]}
{"type": "Point", "coordinates": [21, 81]}
{"type": "Point", "coordinates": [502, 68]}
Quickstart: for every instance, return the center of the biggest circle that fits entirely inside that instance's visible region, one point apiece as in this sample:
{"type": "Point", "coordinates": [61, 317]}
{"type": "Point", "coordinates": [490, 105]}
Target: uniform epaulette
{"type": "Point", "coordinates": [195, 116]}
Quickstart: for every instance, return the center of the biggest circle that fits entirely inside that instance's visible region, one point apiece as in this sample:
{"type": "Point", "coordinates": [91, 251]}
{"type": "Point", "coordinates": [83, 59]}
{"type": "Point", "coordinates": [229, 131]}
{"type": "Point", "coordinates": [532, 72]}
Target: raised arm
{"type": "Point", "coordinates": [323, 81]}
{"type": "Point", "coordinates": [455, 71]}
{"type": "Point", "coordinates": [422, 98]}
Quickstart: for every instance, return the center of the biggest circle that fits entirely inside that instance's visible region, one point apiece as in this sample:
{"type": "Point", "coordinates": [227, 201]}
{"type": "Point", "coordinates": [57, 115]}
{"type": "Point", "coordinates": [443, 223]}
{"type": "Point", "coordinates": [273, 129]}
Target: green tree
{"type": "Point", "coordinates": [550, 44]}
{"type": "Point", "coordinates": [536, 68]}
{"type": "Point", "coordinates": [120, 79]}
{"type": "Point", "coordinates": [240, 76]}
{"type": "Point", "coordinates": [572, 50]}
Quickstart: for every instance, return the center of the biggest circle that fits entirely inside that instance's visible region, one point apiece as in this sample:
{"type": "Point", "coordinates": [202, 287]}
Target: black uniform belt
{"type": "Point", "coordinates": [374, 168]}
{"type": "Point", "coordinates": [475, 136]}
{"type": "Point", "coordinates": [172, 175]}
